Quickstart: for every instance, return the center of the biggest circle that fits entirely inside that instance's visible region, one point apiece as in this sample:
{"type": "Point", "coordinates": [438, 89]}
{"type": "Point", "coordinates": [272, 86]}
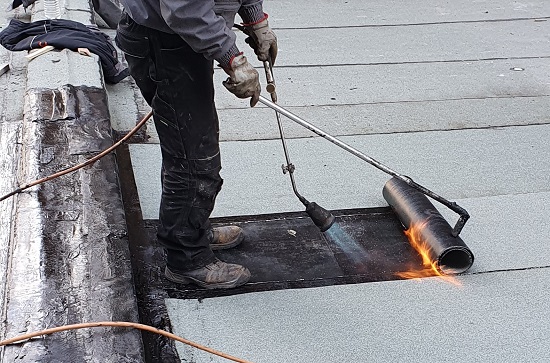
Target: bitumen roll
{"type": "Point", "coordinates": [414, 209]}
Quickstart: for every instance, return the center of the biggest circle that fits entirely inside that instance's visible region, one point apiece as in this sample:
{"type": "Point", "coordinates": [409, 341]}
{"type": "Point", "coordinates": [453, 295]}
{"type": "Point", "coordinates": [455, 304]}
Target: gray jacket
{"type": "Point", "coordinates": [203, 24]}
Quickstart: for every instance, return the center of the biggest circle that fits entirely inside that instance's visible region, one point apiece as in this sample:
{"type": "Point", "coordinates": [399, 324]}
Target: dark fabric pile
{"type": "Point", "coordinates": [64, 34]}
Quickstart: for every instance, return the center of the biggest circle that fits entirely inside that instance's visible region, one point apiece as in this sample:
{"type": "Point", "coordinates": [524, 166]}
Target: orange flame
{"type": "Point", "coordinates": [421, 246]}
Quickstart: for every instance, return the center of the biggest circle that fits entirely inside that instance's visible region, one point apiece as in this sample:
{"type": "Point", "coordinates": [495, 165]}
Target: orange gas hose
{"type": "Point", "coordinates": [83, 164]}
{"type": "Point", "coordinates": [123, 324]}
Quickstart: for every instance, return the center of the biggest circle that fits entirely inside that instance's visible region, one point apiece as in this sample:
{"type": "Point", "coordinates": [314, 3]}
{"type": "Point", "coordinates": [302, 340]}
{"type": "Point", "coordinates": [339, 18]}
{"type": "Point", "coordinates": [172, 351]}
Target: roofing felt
{"type": "Point", "coordinates": [452, 94]}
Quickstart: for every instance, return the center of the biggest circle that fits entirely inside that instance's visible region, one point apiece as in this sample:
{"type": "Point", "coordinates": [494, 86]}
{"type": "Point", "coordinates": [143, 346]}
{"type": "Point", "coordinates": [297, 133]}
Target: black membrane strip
{"type": "Point", "coordinates": [286, 251]}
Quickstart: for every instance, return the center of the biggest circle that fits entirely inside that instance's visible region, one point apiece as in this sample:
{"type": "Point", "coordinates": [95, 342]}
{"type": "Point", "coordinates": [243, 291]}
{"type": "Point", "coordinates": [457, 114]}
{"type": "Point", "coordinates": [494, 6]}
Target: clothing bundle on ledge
{"type": "Point", "coordinates": [64, 34]}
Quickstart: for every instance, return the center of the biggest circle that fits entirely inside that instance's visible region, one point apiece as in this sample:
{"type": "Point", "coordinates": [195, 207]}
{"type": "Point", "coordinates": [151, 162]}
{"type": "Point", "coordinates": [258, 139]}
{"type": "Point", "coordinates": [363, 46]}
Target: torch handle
{"type": "Point", "coordinates": [464, 216]}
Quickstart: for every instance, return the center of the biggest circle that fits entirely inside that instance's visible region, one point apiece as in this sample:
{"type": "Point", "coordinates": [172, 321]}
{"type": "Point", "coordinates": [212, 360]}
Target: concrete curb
{"type": "Point", "coordinates": [69, 256]}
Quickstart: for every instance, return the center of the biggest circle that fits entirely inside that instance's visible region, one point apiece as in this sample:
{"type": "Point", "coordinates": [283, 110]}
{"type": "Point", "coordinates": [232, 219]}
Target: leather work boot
{"type": "Point", "coordinates": [226, 237]}
{"type": "Point", "coordinates": [217, 275]}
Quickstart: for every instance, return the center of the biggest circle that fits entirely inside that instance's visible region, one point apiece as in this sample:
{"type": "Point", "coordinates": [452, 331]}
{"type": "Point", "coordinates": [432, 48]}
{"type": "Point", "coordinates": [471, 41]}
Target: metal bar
{"type": "Point", "coordinates": [464, 216]}
{"type": "Point", "coordinates": [271, 89]}
{"type": "Point", "coordinates": [289, 166]}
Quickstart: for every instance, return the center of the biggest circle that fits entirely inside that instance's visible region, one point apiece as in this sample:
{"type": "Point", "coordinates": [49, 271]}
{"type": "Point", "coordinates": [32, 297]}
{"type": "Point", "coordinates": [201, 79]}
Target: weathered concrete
{"type": "Point", "coordinates": [13, 82]}
{"type": "Point", "coordinates": [58, 68]}
{"type": "Point", "coordinates": [77, 10]}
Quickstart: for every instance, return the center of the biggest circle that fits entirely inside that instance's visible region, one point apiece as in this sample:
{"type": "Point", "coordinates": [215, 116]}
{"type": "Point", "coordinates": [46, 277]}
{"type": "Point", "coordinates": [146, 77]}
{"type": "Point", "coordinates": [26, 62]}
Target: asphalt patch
{"type": "Point", "coordinates": [286, 251]}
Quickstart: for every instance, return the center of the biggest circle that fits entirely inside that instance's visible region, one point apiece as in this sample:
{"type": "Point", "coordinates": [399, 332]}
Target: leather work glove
{"type": "Point", "coordinates": [263, 40]}
{"type": "Point", "coordinates": [243, 80]}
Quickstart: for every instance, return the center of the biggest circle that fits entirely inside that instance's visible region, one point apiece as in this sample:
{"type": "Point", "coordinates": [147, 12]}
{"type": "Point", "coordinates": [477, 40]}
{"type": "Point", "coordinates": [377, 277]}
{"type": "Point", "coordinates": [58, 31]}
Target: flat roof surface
{"type": "Point", "coordinates": [493, 317]}
{"type": "Point", "coordinates": [452, 94]}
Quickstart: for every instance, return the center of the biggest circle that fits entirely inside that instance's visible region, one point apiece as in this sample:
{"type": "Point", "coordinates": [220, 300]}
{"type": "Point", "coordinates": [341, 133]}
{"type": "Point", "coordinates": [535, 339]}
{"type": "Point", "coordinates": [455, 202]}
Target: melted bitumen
{"type": "Point", "coordinates": [77, 266]}
{"type": "Point", "coordinates": [364, 245]}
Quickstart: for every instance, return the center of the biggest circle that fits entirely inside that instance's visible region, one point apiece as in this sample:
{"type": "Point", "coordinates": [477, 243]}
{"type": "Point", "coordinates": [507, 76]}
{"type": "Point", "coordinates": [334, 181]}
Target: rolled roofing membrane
{"type": "Point", "coordinates": [414, 209]}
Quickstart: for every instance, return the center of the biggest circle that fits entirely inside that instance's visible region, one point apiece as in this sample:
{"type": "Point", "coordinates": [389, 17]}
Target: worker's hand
{"type": "Point", "coordinates": [243, 80]}
{"type": "Point", "coordinates": [263, 40]}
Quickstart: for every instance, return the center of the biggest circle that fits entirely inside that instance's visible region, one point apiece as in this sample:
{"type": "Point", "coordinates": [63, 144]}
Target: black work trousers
{"type": "Point", "coordinates": [178, 85]}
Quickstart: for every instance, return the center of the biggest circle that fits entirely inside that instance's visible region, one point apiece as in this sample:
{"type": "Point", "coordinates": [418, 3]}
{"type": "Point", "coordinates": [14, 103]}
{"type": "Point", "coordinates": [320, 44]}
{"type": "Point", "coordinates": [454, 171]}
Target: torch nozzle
{"type": "Point", "coordinates": [320, 216]}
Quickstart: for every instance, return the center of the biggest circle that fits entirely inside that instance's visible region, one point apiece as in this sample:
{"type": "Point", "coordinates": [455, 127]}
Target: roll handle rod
{"type": "Point", "coordinates": [463, 214]}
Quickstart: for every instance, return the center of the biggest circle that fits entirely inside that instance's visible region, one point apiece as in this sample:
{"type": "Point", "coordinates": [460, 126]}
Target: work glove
{"type": "Point", "coordinates": [243, 80]}
{"type": "Point", "coordinates": [262, 39]}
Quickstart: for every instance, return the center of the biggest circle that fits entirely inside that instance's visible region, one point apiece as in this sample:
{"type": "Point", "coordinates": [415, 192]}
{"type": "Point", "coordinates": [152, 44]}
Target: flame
{"type": "Point", "coordinates": [421, 246]}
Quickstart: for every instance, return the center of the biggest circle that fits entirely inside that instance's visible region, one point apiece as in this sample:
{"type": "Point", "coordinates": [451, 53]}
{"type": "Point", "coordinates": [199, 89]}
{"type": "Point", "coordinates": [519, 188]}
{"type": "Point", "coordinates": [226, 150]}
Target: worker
{"type": "Point", "coordinates": [170, 47]}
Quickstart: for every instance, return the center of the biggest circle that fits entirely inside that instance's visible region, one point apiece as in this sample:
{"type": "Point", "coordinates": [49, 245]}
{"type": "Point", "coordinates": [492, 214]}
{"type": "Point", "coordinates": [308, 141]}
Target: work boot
{"type": "Point", "coordinates": [216, 275]}
{"type": "Point", "coordinates": [226, 237]}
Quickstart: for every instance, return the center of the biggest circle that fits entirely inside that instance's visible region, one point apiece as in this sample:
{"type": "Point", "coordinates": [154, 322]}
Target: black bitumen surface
{"type": "Point", "coordinates": [85, 269]}
{"type": "Point", "coordinates": [286, 251]}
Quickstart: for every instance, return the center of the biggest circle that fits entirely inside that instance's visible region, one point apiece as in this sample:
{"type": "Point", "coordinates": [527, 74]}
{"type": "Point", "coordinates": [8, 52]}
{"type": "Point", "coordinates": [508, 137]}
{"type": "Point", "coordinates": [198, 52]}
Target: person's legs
{"type": "Point", "coordinates": [178, 84]}
{"type": "Point", "coordinates": [187, 124]}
